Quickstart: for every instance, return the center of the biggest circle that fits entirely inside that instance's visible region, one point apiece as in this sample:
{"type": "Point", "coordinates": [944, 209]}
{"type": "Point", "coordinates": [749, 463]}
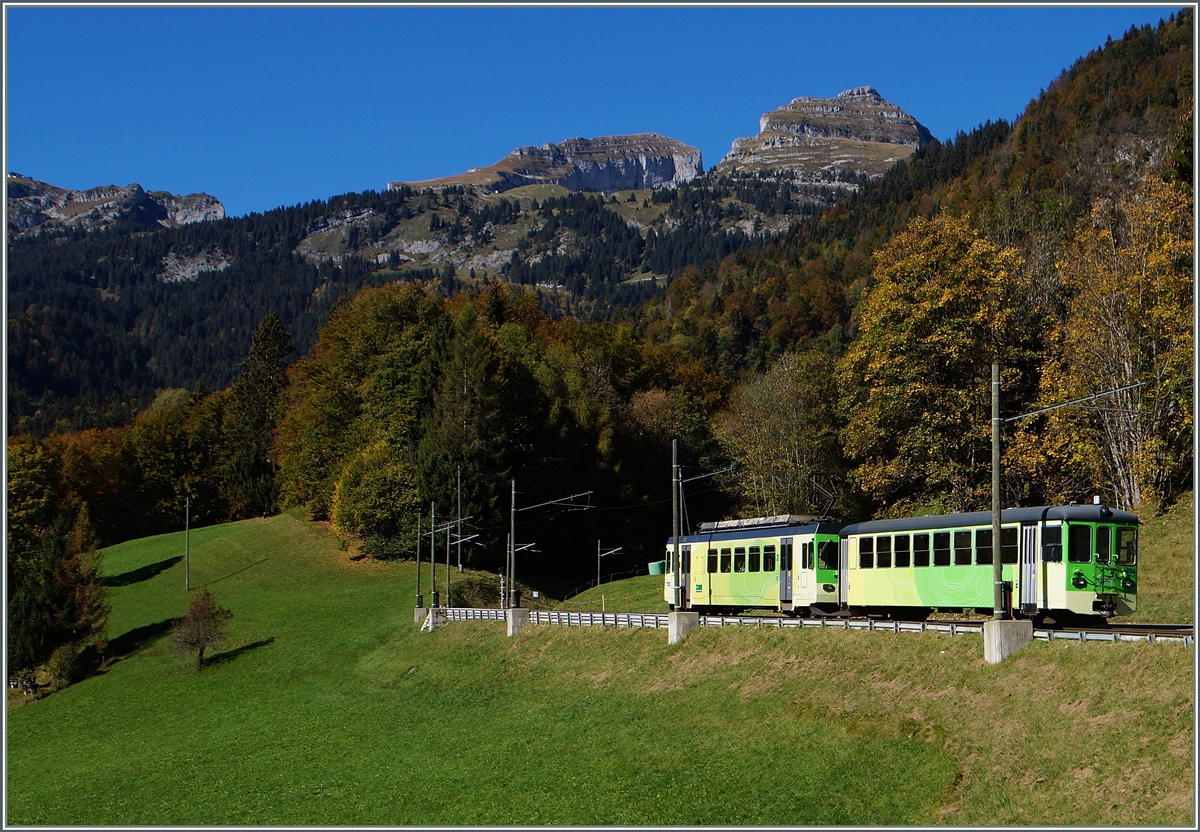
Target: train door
{"type": "Point", "coordinates": [843, 573]}
{"type": "Point", "coordinates": [685, 577]}
{"type": "Point", "coordinates": [785, 571]}
{"type": "Point", "coordinates": [1029, 566]}
{"type": "Point", "coordinates": [806, 563]}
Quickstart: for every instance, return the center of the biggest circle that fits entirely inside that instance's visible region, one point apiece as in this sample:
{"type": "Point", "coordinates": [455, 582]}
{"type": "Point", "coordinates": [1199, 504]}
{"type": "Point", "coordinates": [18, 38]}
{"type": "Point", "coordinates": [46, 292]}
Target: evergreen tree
{"type": "Point", "coordinates": [254, 405]}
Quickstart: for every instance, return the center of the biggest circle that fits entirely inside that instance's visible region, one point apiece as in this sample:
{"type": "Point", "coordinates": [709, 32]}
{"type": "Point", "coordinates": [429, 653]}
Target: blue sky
{"type": "Point", "coordinates": [263, 107]}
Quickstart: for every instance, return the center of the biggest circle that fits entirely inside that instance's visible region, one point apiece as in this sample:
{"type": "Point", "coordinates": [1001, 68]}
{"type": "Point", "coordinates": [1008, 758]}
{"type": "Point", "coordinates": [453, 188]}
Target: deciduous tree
{"type": "Point", "coordinates": [915, 383]}
{"type": "Point", "coordinates": [1129, 320]}
{"type": "Point", "coordinates": [782, 431]}
{"type": "Point", "coordinates": [203, 627]}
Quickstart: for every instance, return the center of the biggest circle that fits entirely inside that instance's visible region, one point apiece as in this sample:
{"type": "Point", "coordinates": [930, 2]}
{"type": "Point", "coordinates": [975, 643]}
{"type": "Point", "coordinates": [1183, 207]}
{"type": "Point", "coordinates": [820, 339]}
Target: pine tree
{"type": "Point", "coordinates": [255, 403]}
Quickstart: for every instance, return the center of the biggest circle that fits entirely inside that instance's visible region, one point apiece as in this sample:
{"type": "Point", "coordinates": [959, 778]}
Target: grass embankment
{"type": "Point", "coordinates": [1167, 565]}
{"type": "Point", "coordinates": [329, 707]}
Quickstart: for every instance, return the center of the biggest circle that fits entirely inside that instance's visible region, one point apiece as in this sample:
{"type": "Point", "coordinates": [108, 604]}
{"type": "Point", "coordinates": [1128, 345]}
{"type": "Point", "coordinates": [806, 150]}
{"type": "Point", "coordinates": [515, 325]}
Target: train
{"type": "Point", "coordinates": [1058, 563]}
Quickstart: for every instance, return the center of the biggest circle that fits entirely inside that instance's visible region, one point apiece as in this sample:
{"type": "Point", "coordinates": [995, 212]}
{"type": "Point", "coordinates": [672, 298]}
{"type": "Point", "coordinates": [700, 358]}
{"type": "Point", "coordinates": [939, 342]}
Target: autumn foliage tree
{"type": "Point", "coordinates": [1128, 276]}
{"type": "Point", "coordinates": [781, 429]}
{"type": "Point", "coordinates": [915, 382]}
{"type": "Point", "coordinates": [202, 628]}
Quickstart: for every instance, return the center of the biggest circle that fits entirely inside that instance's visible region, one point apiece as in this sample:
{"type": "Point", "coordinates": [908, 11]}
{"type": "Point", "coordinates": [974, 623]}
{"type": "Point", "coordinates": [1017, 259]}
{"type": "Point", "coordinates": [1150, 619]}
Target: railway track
{"type": "Point", "coordinates": [1117, 632]}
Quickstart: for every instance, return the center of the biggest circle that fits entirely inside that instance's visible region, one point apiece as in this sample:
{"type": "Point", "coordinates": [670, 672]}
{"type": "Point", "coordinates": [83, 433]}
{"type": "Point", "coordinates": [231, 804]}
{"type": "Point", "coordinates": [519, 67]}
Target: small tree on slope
{"type": "Point", "coordinates": [202, 627]}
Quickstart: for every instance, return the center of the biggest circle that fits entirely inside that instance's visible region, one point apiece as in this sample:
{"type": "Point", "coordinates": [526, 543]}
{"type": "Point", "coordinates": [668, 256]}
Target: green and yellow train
{"type": "Point", "coordinates": [1057, 562]}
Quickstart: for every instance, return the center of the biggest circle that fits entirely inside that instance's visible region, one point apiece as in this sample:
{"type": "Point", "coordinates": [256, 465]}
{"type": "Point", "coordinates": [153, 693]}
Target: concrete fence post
{"type": "Point", "coordinates": [1003, 638]}
{"type": "Point", "coordinates": [518, 618]}
{"type": "Point", "coordinates": [679, 624]}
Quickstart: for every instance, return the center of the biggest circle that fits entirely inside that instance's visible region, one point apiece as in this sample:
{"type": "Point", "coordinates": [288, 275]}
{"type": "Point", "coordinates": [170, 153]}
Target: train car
{"type": "Point", "coordinates": [786, 562]}
{"type": "Point", "coordinates": [1059, 560]}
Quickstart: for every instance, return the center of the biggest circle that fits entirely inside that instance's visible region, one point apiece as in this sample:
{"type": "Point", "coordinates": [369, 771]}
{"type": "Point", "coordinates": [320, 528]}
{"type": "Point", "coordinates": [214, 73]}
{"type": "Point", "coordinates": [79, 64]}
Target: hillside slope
{"type": "Point", "coordinates": [327, 701]}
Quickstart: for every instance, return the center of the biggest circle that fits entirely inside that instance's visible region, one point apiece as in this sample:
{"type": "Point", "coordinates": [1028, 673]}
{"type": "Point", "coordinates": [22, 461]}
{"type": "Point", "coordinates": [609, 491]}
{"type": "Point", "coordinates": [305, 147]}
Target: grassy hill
{"type": "Point", "coordinates": [327, 706]}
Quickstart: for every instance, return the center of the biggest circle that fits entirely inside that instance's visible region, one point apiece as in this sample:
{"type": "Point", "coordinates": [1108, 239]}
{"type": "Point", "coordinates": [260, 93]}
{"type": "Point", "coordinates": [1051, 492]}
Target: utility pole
{"type": "Point", "coordinates": [512, 545]}
{"type": "Point", "coordinates": [675, 573]}
{"type": "Point", "coordinates": [433, 593]}
{"type": "Point", "coordinates": [677, 482]}
{"type": "Point", "coordinates": [1000, 611]}
{"type": "Point", "coordinates": [460, 569]}
{"type": "Point", "coordinates": [418, 582]}
{"type": "Point", "coordinates": [600, 554]}
{"type": "Point", "coordinates": [187, 544]}
{"type": "Point", "coordinates": [448, 596]}
{"type": "Point", "coordinates": [512, 535]}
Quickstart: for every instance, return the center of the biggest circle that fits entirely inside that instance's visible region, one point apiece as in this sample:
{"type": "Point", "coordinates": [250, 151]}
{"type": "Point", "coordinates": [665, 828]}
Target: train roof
{"type": "Point", "coordinates": [771, 521]}
{"type": "Point", "coordinates": [1089, 513]}
{"type": "Point", "coordinates": [806, 525]}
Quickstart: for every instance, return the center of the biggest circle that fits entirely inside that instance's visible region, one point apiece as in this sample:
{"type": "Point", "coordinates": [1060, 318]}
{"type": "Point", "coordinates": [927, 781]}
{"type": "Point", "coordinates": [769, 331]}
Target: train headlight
{"type": "Point", "coordinates": [1079, 582]}
{"type": "Point", "coordinates": [828, 587]}
{"type": "Point", "coordinates": [1127, 584]}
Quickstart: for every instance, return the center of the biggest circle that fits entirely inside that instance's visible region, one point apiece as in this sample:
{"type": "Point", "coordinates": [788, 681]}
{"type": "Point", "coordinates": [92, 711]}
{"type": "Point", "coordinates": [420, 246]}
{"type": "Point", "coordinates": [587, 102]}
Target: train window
{"type": "Point", "coordinates": [827, 554]}
{"type": "Point", "coordinates": [1008, 545]}
{"type": "Point", "coordinates": [883, 552]}
{"type": "Point", "coordinates": [686, 566]}
{"type": "Point", "coordinates": [785, 555]}
{"type": "Point", "coordinates": [900, 547]}
{"type": "Point", "coordinates": [768, 558]}
{"type": "Point", "coordinates": [712, 560]}
{"type": "Point", "coordinates": [755, 557]}
{"type": "Point", "coordinates": [920, 550]}
{"type": "Point", "coordinates": [962, 548]}
{"type": "Point", "coordinates": [866, 553]}
{"type": "Point", "coordinates": [1052, 544]}
{"type": "Point", "coordinates": [739, 559]}
{"type": "Point", "coordinates": [983, 546]}
{"type": "Point", "coordinates": [1127, 545]}
{"type": "Point", "coordinates": [1103, 543]}
{"type": "Point", "coordinates": [1079, 544]}
{"type": "Point", "coordinates": [941, 548]}
{"type": "Point", "coordinates": [726, 560]}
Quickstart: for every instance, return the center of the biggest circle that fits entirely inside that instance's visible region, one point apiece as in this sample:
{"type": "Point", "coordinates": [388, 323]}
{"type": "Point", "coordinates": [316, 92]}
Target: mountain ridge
{"type": "Point", "coordinates": [605, 163]}
{"type": "Point", "coordinates": [33, 204]}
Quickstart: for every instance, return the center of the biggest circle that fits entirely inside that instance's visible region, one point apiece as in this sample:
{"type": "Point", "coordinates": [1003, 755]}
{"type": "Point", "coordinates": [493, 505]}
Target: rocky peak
{"type": "Point", "coordinates": [828, 139]}
{"type": "Point", "coordinates": [605, 163]}
{"type": "Point", "coordinates": [33, 204]}
{"type": "Point", "coordinates": [860, 113]}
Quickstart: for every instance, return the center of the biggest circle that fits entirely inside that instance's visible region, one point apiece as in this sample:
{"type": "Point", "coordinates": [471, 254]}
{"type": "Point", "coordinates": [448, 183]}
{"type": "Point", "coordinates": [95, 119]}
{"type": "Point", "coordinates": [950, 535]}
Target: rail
{"type": "Point", "coordinates": [659, 621]}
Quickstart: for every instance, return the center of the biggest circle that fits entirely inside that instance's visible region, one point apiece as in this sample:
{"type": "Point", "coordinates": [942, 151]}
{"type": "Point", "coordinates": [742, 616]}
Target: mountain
{"type": "Point", "coordinates": [739, 268]}
{"type": "Point", "coordinates": [828, 140]}
{"type": "Point", "coordinates": [34, 205]}
{"type": "Point", "coordinates": [605, 164]}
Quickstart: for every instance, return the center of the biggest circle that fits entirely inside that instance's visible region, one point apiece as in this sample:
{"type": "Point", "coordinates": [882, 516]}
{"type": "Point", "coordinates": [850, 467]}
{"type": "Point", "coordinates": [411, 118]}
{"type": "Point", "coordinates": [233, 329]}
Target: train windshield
{"type": "Point", "coordinates": [1127, 545]}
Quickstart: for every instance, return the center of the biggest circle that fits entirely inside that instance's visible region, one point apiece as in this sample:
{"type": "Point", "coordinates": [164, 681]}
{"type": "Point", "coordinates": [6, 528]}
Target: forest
{"type": "Point", "coordinates": [840, 369]}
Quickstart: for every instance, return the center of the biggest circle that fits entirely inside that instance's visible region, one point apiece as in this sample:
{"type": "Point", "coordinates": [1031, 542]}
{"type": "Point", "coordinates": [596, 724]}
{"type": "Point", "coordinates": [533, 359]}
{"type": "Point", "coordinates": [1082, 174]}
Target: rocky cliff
{"type": "Point", "coordinates": [828, 140]}
{"type": "Point", "coordinates": [605, 163]}
{"type": "Point", "coordinates": [33, 205]}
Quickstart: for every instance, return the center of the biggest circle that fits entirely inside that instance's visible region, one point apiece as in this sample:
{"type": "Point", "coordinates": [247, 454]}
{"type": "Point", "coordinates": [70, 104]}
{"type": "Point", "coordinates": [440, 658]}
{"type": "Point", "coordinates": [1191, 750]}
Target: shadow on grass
{"type": "Point", "coordinates": [228, 655]}
{"type": "Point", "coordinates": [236, 571]}
{"type": "Point", "coordinates": [129, 643]}
{"type": "Point", "coordinates": [142, 573]}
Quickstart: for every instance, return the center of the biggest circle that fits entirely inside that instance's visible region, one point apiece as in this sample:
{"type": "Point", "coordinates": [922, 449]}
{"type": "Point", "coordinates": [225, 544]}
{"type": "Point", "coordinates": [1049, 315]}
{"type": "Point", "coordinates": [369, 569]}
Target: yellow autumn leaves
{"type": "Point", "coordinates": [944, 304]}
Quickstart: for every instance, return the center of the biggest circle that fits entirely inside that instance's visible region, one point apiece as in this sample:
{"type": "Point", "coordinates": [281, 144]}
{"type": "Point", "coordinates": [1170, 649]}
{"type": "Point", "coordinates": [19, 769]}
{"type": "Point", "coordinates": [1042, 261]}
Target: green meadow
{"type": "Point", "coordinates": [327, 705]}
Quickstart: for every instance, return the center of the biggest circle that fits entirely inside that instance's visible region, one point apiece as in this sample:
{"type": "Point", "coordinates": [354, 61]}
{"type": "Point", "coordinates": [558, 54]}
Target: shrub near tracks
{"type": "Point", "coordinates": [334, 709]}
